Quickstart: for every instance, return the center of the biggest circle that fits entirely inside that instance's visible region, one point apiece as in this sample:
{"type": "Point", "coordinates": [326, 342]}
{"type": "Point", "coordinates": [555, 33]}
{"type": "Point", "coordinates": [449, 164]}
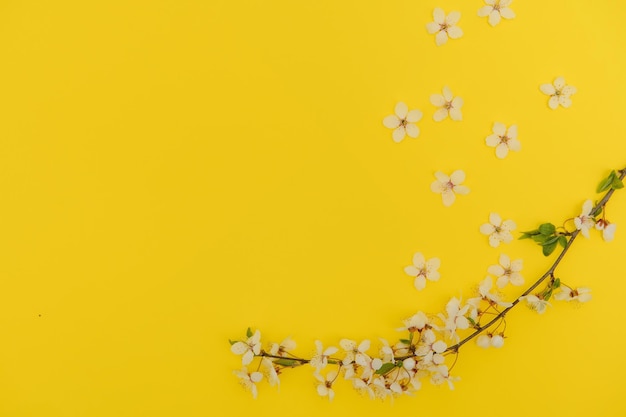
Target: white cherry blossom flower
{"type": "Point", "coordinates": [496, 9]}
{"type": "Point", "coordinates": [444, 26]}
{"type": "Point", "coordinates": [484, 289]}
{"type": "Point", "coordinates": [320, 359]}
{"type": "Point", "coordinates": [559, 92]}
{"type": "Point", "coordinates": [449, 186]}
{"type": "Point", "coordinates": [503, 139]}
{"type": "Point", "coordinates": [355, 353]}
{"type": "Point", "coordinates": [281, 349]}
{"type": "Point", "coordinates": [585, 221]}
{"type": "Point", "coordinates": [403, 122]}
{"type": "Point", "coordinates": [448, 105]}
{"type": "Point", "coordinates": [580, 294]}
{"type": "Point", "coordinates": [431, 349]}
{"type": "Point", "coordinates": [455, 318]}
{"type": "Point", "coordinates": [498, 230]}
{"type": "Point", "coordinates": [415, 323]}
{"type": "Point", "coordinates": [608, 229]}
{"type": "Point", "coordinates": [270, 372]}
{"type": "Point", "coordinates": [536, 303]}
{"type": "Point", "coordinates": [325, 384]}
{"type": "Point", "coordinates": [422, 270]}
{"type": "Point", "coordinates": [507, 272]}
{"type": "Point", "coordinates": [249, 380]}
{"type": "Point", "coordinates": [248, 349]}
{"type": "Point", "coordinates": [441, 374]}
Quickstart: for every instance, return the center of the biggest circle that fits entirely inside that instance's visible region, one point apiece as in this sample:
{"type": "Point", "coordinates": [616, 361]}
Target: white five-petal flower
{"type": "Point", "coordinates": [355, 353]}
{"type": "Point", "coordinates": [559, 92]}
{"type": "Point", "coordinates": [535, 303]}
{"type": "Point", "coordinates": [496, 9]}
{"type": "Point", "coordinates": [403, 122]}
{"type": "Point", "coordinates": [581, 294]}
{"type": "Point", "coordinates": [249, 380]}
{"type": "Point", "coordinates": [248, 349]}
{"type": "Point", "coordinates": [444, 26]}
{"type": "Point", "coordinates": [423, 270]}
{"type": "Point", "coordinates": [498, 230]}
{"type": "Point", "coordinates": [608, 229]}
{"type": "Point", "coordinates": [484, 289]}
{"type": "Point", "coordinates": [449, 186]}
{"type": "Point", "coordinates": [415, 323]}
{"type": "Point", "coordinates": [507, 271]}
{"type": "Point", "coordinates": [320, 359]}
{"type": "Point", "coordinates": [448, 105]}
{"type": "Point", "coordinates": [325, 384]}
{"type": "Point", "coordinates": [585, 221]}
{"type": "Point", "coordinates": [503, 139]}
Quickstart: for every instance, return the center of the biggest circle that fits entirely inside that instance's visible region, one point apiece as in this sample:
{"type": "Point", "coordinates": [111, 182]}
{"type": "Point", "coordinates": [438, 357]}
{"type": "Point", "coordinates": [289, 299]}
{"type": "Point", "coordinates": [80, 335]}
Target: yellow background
{"type": "Point", "coordinates": [172, 172]}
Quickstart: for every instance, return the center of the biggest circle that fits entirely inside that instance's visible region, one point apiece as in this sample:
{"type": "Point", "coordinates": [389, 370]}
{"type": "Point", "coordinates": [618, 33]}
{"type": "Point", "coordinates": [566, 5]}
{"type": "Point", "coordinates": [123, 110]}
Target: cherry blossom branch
{"type": "Point", "coordinates": [549, 273]}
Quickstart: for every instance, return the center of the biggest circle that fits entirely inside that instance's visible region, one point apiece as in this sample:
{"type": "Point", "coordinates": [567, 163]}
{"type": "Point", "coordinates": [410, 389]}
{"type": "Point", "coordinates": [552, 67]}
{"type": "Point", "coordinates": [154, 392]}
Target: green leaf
{"type": "Point", "coordinates": [547, 229]}
{"type": "Point", "coordinates": [605, 184]}
{"type": "Point", "coordinates": [532, 232]}
{"type": "Point", "coordinates": [472, 321]}
{"type": "Point", "coordinates": [525, 236]}
{"type": "Point", "coordinates": [548, 249]}
{"type": "Point", "coordinates": [548, 295]}
{"type": "Point", "coordinates": [232, 342]}
{"type": "Point", "coordinates": [556, 283]}
{"type": "Point", "coordinates": [540, 238]}
{"type": "Point", "coordinates": [550, 240]}
{"type": "Point", "coordinates": [563, 241]}
{"type": "Point", "coordinates": [405, 341]}
{"type": "Point", "coordinates": [386, 368]}
{"type": "Point", "coordinates": [287, 362]}
{"type": "Point", "coordinates": [617, 184]}
{"type": "Point", "coordinates": [249, 332]}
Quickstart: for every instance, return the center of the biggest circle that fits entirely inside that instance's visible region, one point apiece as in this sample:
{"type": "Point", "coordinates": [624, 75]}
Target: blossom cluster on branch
{"type": "Point", "coordinates": [430, 344]}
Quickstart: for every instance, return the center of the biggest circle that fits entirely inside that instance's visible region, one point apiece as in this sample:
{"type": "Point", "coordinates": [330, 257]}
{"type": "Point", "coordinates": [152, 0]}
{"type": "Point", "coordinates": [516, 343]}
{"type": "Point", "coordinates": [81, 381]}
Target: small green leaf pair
{"type": "Point", "coordinates": [547, 237]}
{"type": "Point", "coordinates": [612, 181]}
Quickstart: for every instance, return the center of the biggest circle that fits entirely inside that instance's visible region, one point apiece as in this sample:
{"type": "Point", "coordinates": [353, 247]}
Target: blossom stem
{"type": "Point", "coordinates": [548, 273]}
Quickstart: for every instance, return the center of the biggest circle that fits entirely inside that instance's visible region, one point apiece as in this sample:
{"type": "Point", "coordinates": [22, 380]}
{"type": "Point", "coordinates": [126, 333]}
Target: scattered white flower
{"type": "Point", "coordinates": [249, 380]}
{"type": "Point", "coordinates": [498, 230]}
{"type": "Point", "coordinates": [585, 221]}
{"type": "Point", "coordinates": [325, 384]}
{"type": "Point", "coordinates": [496, 9]}
{"type": "Point", "coordinates": [248, 349]}
{"type": "Point", "coordinates": [415, 323]}
{"type": "Point", "coordinates": [507, 271]}
{"type": "Point", "coordinates": [320, 359]}
{"type": "Point", "coordinates": [422, 270]}
{"type": "Point", "coordinates": [449, 186]}
{"type": "Point", "coordinates": [535, 303]}
{"type": "Point", "coordinates": [490, 340]}
{"type": "Point", "coordinates": [608, 229]}
{"type": "Point", "coordinates": [355, 353]}
{"type": "Point", "coordinates": [581, 294]}
{"type": "Point", "coordinates": [448, 105]}
{"type": "Point", "coordinates": [444, 26]}
{"type": "Point", "coordinates": [403, 122]}
{"type": "Point", "coordinates": [559, 93]}
{"type": "Point", "coordinates": [503, 139]}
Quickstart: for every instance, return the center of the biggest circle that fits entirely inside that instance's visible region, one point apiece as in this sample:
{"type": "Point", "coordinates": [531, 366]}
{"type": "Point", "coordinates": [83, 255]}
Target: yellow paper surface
{"type": "Point", "coordinates": [173, 172]}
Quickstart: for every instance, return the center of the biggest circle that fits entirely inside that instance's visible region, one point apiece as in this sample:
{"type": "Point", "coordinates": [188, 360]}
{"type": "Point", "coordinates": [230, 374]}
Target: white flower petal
{"type": "Point", "coordinates": [391, 121]}
{"type": "Point", "coordinates": [453, 18]}
{"type": "Point", "coordinates": [437, 187]}
{"type": "Point", "coordinates": [458, 176]}
{"type": "Point", "coordinates": [506, 12]}
{"type": "Point", "coordinates": [455, 32]}
{"type": "Point", "coordinates": [441, 38]}
{"type": "Point", "coordinates": [494, 17]}
{"type": "Point", "coordinates": [494, 240]}
{"type": "Point", "coordinates": [401, 110]}
{"type": "Point", "coordinates": [553, 103]}
{"type": "Point", "coordinates": [439, 15]}
{"type": "Point", "coordinates": [502, 150]}
{"type": "Point", "coordinates": [559, 83]}
{"type": "Point", "coordinates": [418, 260]}
{"type": "Point", "coordinates": [448, 198]}
{"type": "Point", "coordinates": [495, 219]}
{"type": "Point", "coordinates": [239, 348]}
{"type": "Point", "coordinates": [440, 115]}
{"type": "Point", "coordinates": [499, 128]}
{"type": "Point", "coordinates": [492, 140]}
{"type": "Point", "coordinates": [412, 271]}
{"type": "Point", "coordinates": [437, 100]}
{"type": "Point", "coordinates": [441, 177]}
{"type": "Point", "coordinates": [484, 11]}
{"type": "Point", "coordinates": [514, 145]}
{"type": "Point", "coordinates": [412, 130]}
{"type": "Point", "coordinates": [496, 270]}
{"type": "Point", "coordinates": [398, 134]}
{"type": "Point", "coordinates": [565, 101]}
{"type": "Point", "coordinates": [433, 27]}
{"type": "Point", "coordinates": [447, 93]}
{"type": "Point", "coordinates": [420, 282]}
{"type": "Point", "coordinates": [414, 116]}
{"type": "Point", "coordinates": [547, 89]}
{"type": "Point", "coordinates": [487, 228]}
{"type": "Point", "coordinates": [247, 357]}
{"type": "Point", "coordinates": [502, 281]}
{"type": "Point", "coordinates": [511, 132]}
{"type": "Point", "coordinates": [461, 189]}
{"type": "Point", "coordinates": [568, 90]}
{"type": "Point", "coordinates": [455, 114]}
{"type": "Point", "coordinates": [256, 376]}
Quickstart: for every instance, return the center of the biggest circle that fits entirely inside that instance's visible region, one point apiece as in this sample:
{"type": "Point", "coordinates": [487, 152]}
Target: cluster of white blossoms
{"type": "Point", "coordinates": [587, 221]}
